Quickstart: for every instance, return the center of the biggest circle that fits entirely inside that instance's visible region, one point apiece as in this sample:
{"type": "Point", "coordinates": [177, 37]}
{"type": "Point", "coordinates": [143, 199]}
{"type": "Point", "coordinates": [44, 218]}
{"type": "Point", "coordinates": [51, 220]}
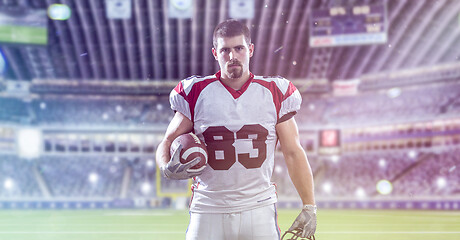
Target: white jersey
{"type": "Point", "coordinates": [238, 128]}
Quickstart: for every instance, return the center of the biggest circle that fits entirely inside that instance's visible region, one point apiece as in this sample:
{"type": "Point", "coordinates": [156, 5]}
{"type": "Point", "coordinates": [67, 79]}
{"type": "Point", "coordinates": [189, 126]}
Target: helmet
{"type": "Point", "coordinates": [295, 235]}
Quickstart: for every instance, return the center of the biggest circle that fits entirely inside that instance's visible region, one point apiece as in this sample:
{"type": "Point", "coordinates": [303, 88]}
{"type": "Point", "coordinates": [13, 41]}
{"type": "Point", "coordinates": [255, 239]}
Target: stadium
{"type": "Point", "coordinates": [84, 103]}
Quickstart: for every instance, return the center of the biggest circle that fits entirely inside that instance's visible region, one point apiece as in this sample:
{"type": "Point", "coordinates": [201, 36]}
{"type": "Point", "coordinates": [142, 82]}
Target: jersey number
{"type": "Point", "coordinates": [222, 152]}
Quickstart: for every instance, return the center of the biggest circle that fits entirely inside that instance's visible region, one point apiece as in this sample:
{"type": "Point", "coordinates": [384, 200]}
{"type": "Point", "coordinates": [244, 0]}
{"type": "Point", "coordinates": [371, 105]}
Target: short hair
{"type": "Point", "coordinates": [231, 28]}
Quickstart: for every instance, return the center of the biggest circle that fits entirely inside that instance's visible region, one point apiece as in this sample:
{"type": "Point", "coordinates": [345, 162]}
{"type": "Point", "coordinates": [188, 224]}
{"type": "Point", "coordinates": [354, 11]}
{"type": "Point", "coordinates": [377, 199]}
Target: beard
{"type": "Point", "coordinates": [235, 72]}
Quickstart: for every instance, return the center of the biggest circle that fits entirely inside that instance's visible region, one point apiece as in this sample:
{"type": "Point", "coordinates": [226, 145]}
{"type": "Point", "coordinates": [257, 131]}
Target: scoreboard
{"type": "Point", "coordinates": [23, 26]}
{"type": "Point", "coordinates": [344, 26]}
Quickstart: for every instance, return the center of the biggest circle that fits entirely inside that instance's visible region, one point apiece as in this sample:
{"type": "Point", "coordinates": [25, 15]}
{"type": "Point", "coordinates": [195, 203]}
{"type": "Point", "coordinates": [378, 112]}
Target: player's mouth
{"type": "Point", "coordinates": [234, 65]}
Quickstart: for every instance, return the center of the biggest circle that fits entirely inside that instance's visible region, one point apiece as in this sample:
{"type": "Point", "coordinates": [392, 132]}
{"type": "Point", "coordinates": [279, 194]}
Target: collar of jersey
{"type": "Point", "coordinates": [236, 93]}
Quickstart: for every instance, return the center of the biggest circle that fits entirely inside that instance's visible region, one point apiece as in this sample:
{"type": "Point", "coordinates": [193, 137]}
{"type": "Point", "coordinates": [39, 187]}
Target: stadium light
{"type": "Point", "coordinates": [441, 182]}
{"type": "Point", "coordinates": [8, 184]}
{"type": "Point", "coordinates": [360, 193]}
{"type": "Point", "coordinates": [150, 163]}
{"type": "Point", "coordinates": [42, 105]}
{"type": "Point", "coordinates": [159, 106]}
{"type": "Point", "coordinates": [384, 187]}
{"type": "Point", "coordinates": [93, 177]}
{"type": "Point", "coordinates": [335, 158]}
{"type": "Point", "coordinates": [59, 12]}
{"type": "Point", "coordinates": [327, 187]}
{"type": "Point", "coordinates": [412, 154]}
{"type": "Point", "coordinates": [382, 163]}
{"type": "Point", "coordinates": [394, 92]}
{"type": "Point", "coordinates": [119, 109]}
{"type": "Point", "coordinates": [146, 187]}
{"type": "Point", "coordinates": [278, 169]}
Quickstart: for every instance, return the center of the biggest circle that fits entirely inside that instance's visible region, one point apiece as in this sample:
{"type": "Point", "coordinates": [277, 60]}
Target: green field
{"type": "Point", "coordinates": [171, 224]}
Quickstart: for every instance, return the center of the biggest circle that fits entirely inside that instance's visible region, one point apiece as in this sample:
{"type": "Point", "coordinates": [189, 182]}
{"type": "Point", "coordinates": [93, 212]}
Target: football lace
{"type": "Point", "coordinates": [296, 234]}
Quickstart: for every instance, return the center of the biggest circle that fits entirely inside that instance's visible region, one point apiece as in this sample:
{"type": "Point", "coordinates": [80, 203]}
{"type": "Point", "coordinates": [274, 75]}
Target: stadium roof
{"type": "Point", "coordinates": [151, 46]}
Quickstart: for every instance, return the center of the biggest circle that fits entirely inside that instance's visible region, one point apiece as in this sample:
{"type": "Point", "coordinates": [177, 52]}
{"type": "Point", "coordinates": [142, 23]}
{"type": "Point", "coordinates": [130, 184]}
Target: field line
{"type": "Point", "coordinates": [183, 232]}
{"type": "Point", "coordinates": [90, 232]}
{"type": "Point", "coordinates": [397, 232]}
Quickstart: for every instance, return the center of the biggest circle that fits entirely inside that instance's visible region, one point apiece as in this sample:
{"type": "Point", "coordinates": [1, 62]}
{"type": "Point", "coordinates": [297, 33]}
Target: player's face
{"type": "Point", "coordinates": [233, 55]}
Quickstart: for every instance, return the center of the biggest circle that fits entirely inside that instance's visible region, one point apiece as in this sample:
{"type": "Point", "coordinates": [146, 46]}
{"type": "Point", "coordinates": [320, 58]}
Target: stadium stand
{"type": "Point", "coordinates": [355, 175]}
{"type": "Point", "coordinates": [17, 178]}
{"type": "Point", "coordinates": [96, 112]}
{"type": "Point", "coordinates": [14, 110]}
{"type": "Point", "coordinates": [413, 104]}
{"type": "Point", "coordinates": [82, 177]}
{"type": "Point", "coordinates": [81, 172]}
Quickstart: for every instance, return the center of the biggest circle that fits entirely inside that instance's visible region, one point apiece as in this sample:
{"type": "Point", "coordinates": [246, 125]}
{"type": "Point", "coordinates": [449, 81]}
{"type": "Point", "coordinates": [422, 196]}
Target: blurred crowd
{"type": "Point", "coordinates": [353, 174]}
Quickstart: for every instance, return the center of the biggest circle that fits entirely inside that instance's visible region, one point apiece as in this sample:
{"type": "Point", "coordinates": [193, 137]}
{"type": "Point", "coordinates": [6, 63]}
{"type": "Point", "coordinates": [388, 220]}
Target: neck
{"type": "Point", "coordinates": [235, 83]}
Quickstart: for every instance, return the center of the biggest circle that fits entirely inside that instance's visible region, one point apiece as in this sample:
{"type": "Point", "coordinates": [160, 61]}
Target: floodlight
{"type": "Point", "coordinates": [382, 163]}
{"type": "Point", "coordinates": [150, 163]}
{"type": "Point", "coordinates": [8, 184]}
{"type": "Point", "coordinates": [384, 187]}
{"type": "Point", "coordinates": [93, 177]}
{"type": "Point", "coordinates": [335, 158]}
{"type": "Point", "coordinates": [441, 182]}
{"type": "Point", "coordinates": [59, 12]}
{"type": "Point", "coordinates": [146, 187]}
{"type": "Point", "coordinates": [360, 193]}
{"type": "Point", "coordinates": [394, 92]}
{"type": "Point", "coordinates": [327, 187]}
{"type": "Point", "coordinates": [278, 169]}
{"type": "Point", "coordinates": [159, 106]}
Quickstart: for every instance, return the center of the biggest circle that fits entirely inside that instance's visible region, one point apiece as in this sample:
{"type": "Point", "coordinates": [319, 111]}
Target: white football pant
{"type": "Point", "coordinates": [257, 224]}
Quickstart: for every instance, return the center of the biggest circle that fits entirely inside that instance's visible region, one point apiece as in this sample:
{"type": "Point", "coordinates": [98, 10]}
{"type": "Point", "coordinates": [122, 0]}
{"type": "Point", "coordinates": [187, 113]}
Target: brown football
{"type": "Point", "coordinates": [192, 147]}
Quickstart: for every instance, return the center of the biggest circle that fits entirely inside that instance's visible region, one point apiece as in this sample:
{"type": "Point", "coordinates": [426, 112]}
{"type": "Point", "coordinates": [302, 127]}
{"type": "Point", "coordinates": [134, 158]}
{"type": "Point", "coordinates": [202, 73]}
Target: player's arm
{"type": "Point", "coordinates": [300, 173]}
{"type": "Point", "coordinates": [169, 165]}
{"type": "Point", "coordinates": [296, 160]}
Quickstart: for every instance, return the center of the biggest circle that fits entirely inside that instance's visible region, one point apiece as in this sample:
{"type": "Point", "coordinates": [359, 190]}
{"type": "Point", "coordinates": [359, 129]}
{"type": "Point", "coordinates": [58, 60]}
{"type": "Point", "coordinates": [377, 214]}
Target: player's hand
{"type": "Point", "coordinates": [179, 171]}
{"type": "Point", "coordinates": [306, 221]}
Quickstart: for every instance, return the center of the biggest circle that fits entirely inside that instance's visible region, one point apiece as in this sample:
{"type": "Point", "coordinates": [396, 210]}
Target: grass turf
{"type": "Point", "coordinates": [171, 224]}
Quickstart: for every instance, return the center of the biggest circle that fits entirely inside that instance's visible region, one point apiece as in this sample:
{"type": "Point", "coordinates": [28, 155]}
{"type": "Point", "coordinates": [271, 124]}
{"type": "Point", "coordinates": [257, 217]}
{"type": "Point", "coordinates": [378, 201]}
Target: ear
{"type": "Point", "coordinates": [251, 49]}
{"type": "Point", "coordinates": [214, 53]}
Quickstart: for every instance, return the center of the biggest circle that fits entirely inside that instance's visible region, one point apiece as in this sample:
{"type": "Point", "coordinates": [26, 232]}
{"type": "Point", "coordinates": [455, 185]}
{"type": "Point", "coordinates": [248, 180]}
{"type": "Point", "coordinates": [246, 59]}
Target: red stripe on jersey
{"type": "Point", "coordinates": [278, 96]}
{"type": "Point", "coordinates": [291, 89]}
{"type": "Point", "coordinates": [192, 96]}
{"type": "Point", "coordinates": [180, 90]}
{"type": "Point", "coordinates": [237, 93]}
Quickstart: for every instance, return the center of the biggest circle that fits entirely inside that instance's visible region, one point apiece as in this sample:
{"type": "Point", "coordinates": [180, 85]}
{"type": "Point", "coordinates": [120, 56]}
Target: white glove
{"type": "Point", "coordinates": [176, 170]}
{"type": "Point", "coordinates": [306, 221]}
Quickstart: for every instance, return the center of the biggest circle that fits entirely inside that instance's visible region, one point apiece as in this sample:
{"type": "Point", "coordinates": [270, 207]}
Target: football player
{"type": "Point", "coordinates": [240, 117]}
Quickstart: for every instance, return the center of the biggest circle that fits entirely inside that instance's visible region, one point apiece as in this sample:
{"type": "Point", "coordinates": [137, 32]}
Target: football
{"type": "Point", "coordinates": [192, 148]}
